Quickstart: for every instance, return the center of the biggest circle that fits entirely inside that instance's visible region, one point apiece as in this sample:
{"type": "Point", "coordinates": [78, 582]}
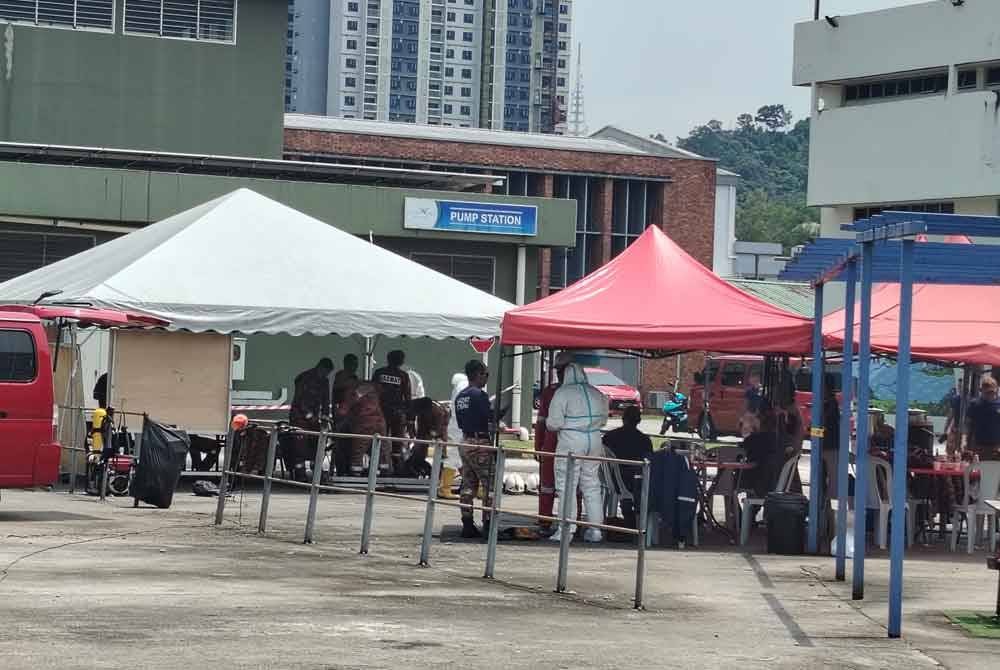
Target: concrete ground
{"type": "Point", "coordinates": [91, 585]}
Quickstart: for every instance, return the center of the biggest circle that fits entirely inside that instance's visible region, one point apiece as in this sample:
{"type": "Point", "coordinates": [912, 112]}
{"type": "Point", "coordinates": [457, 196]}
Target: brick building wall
{"type": "Point", "coordinates": [682, 196]}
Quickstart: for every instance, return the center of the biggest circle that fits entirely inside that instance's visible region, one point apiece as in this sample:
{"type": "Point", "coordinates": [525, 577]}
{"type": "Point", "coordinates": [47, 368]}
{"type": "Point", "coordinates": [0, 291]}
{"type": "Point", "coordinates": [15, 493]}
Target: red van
{"type": "Point", "coordinates": [728, 377]}
{"type": "Point", "coordinates": [29, 451]}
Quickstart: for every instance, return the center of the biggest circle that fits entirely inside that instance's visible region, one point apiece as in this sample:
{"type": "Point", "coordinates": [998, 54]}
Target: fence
{"type": "Point", "coordinates": [430, 500]}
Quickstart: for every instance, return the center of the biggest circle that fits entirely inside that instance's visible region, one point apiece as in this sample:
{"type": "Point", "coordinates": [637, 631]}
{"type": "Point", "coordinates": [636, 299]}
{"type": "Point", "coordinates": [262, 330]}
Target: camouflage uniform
{"type": "Point", "coordinates": [478, 467]}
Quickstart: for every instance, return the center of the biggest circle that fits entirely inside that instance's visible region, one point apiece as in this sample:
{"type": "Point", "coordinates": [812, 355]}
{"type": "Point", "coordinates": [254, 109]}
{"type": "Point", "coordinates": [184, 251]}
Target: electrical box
{"type": "Point", "coordinates": [239, 358]}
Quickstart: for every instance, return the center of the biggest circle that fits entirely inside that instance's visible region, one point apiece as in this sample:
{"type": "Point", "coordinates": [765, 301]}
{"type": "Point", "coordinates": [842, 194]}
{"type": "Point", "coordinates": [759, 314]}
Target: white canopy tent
{"type": "Point", "coordinates": [246, 263]}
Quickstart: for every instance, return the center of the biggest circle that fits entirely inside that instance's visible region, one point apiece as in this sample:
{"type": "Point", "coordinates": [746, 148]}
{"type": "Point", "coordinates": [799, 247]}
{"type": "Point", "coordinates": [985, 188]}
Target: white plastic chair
{"type": "Point", "coordinates": [974, 507]}
{"type": "Point", "coordinates": [880, 500]}
{"type": "Point", "coordinates": [747, 504]}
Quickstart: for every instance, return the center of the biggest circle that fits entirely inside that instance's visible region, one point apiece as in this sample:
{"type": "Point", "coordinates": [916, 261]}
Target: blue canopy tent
{"type": "Point", "coordinates": [884, 248]}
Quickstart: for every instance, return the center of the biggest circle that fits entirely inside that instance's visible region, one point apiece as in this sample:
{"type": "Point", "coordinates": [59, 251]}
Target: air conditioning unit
{"type": "Point", "coordinates": [239, 359]}
{"type": "Point", "coordinates": [656, 399]}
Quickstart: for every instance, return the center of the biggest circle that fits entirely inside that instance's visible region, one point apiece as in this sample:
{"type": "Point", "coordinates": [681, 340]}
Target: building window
{"type": "Point", "coordinates": [352, 6]}
{"type": "Point", "coordinates": [967, 79]}
{"type": "Point", "coordinates": [448, 90]}
{"type": "Point", "coordinates": [348, 100]}
{"type": "Point", "coordinates": [563, 27]}
{"type": "Point", "coordinates": [90, 14]}
{"type": "Point", "coordinates": [470, 3]}
{"type": "Point", "coordinates": [435, 68]}
{"type": "Point", "coordinates": [466, 91]}
{"type": "Point", "coordinates": [466, 73]}
{"type": "Point", "coordinates": [891, 88]}
{"type": "Point", "coordinates": [350, 82]}
{"type": "Point", "coordinates": [992, 76]}
{"type": "Point", "coordinates": [447, 108]}
{"type": "Point", "coordinates": [564, 9]}
{"type": "Point", "coordinates": [451, 16]}
{"type": "Point", "coordinates": [450, 34]}
{"type": "Point", "coordinates": [927, 207]}
{"type": "Point", "coordinates": [477, 271]}
{"type": "Point", "coordinates": [561, 63]}
{"type": "Point", "coordinates": [449, 72]}
{"type": "Point", "coordinates": [450, 53]}
{"type": "Point", "coordinates": [352, 45]}
{"type": "Point", "coordinates": [469, 18]}
{"type": "Point", "coordinates": [466, 110]}
{"type": "Point", "coordinates": [352, 25]}
{"type": "Point", "coordinates": [466, 54]}
{"type": "Point", "coordinates": [210, 20]}
{"type": "Point", "coordinates": [467, 36]}
{"type": "Point", "coordinates": [561, 82]}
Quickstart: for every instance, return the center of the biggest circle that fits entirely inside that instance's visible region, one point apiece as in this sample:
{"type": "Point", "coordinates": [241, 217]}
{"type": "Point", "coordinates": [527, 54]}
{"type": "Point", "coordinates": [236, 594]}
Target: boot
{"type": "Point", "coordinates": [444, 488]}
{"type": "Point", "coordinates": [469, 530]}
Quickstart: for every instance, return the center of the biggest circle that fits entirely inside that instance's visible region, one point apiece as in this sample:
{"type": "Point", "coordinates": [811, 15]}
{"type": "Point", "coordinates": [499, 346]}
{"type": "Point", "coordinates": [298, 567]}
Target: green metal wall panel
{"type": "Point", "coordinates": [88, 88]}
{"type": "Point", "coordinates": [134, 196]}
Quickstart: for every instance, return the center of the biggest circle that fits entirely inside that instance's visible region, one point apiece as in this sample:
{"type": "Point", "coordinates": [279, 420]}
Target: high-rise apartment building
{"type": "Point", "coordinates": [501, 64]}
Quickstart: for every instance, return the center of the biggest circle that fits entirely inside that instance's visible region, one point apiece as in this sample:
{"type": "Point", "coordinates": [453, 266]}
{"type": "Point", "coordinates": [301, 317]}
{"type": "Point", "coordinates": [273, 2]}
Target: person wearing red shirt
{"type": "Point", "coordinates": [545, 441]}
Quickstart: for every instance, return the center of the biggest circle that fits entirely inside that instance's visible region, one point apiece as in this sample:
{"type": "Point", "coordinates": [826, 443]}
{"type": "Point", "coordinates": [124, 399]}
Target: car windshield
{"type": "Point", "coordinates": [603, 378]}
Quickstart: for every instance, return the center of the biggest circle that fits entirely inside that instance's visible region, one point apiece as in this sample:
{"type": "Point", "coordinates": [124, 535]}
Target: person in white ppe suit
{"type": "Point", "coordinates": [453, 456]}
{"type": "Point", "coordinates": [578, 412]}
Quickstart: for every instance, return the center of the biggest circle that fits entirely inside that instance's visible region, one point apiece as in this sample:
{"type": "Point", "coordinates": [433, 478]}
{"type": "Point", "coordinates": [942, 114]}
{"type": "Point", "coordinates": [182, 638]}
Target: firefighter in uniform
{"type": "Point", "coordinates": [394, 392]}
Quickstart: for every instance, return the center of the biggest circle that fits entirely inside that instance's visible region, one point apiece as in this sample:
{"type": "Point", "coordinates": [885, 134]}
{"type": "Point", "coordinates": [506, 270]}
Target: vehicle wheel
{"type": "Point", "coordinates": [706, 427]}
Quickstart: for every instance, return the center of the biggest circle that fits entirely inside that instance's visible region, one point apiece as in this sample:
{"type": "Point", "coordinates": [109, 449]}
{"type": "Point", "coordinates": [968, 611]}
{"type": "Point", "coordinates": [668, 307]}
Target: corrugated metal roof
{"type": "Point", "coordinates": [793, 297]}
{"type": "Point", "coordinates": [454, 134]}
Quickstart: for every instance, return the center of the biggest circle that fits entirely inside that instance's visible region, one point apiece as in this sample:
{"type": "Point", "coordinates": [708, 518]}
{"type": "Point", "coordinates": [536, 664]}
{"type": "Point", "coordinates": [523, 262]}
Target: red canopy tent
{"type": "Point", "coordinates": [951, 324]}
{"type": "Point", "coordinates": [655, 297]}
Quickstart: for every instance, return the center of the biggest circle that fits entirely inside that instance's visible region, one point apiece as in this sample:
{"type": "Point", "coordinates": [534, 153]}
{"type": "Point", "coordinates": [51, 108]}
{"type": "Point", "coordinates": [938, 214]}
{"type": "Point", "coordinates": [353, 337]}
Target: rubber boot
{"type": "Point", "coordinates": [447, 481]}
{"type": "Point", "coordinates": [469, 530]}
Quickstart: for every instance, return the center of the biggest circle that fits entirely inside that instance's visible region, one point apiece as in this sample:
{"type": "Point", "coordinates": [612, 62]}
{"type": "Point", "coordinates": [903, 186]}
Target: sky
{"type": "Point", "coordinates": [669, 65]}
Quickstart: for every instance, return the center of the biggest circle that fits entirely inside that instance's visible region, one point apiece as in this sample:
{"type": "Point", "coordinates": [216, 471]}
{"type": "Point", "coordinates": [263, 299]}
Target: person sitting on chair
{"type": "Point", "coordinates": [631, 444]}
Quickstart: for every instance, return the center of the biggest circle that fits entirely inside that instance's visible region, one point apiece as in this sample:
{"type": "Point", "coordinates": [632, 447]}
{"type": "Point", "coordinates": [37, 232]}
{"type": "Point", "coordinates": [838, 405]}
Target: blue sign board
{"type": "Point", "coordinates": [492, 218]}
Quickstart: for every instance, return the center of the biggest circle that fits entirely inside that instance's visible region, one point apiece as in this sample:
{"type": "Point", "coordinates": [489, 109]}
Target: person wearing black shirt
{"type": "Point", "coordinates": [474, 414]}
{"type": "Point", "coordinates": [631, 444]}
{"type": "Point", "coordinates": [983, 422]}
{"type": "Point", "coordinates": [394, 391]}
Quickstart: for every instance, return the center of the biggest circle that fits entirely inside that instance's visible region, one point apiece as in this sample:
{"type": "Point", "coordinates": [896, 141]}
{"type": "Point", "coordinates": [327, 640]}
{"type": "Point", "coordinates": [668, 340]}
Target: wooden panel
{"type": "Point", "coordinates": [176, 378]}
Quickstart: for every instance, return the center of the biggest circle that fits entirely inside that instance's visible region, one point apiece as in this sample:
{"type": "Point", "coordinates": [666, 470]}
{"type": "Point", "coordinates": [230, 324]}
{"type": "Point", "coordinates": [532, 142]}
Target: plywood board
{"type": "Point", "coordinates": [175, 377]}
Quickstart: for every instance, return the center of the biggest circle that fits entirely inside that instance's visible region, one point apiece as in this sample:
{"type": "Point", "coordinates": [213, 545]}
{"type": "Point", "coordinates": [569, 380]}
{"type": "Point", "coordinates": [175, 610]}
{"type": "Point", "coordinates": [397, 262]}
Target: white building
{"type": "Point", "coordinates": [905, 110]}
{"type": "Point", "coordinates": [500, 64]}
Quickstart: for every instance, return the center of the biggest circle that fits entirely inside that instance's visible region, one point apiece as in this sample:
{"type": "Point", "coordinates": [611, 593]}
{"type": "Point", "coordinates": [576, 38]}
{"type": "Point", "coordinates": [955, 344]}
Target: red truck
{"type": "Point", "coordinates": [728, 377]}
{"type": "Point", "coordinates": [29, 450]}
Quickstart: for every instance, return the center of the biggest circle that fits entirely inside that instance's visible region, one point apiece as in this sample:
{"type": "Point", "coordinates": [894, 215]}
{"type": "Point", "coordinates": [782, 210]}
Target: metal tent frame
{"type": "Point", "coordinates": [884, 250]}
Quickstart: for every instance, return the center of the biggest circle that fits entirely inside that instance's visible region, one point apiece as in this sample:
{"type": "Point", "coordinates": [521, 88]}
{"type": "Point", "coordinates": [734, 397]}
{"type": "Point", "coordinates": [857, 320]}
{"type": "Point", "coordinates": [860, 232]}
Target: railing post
{"type": "Point", "coordinates": [103, 479]}
{"type": "Point", "coordinates": [491, 547]}
{"type": "Point", "coordinates": [640, 561]}
{"type": "Point", "coordinates": [432, 487]}
{"type": "Point", "coordinates": [227, 462]}
{"type": "Point", "coordinates": [317, 474]}
{"type": "Point", "coordinates": [564, 535]}
{"type": "Point", "coordinates": [265, 500]}
{"type": "Point", "coordinates": [373, 461]}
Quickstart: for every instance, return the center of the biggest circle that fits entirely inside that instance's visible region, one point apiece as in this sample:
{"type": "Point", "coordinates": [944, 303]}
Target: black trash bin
{"type": "Point", "coordinates": [786, 515]}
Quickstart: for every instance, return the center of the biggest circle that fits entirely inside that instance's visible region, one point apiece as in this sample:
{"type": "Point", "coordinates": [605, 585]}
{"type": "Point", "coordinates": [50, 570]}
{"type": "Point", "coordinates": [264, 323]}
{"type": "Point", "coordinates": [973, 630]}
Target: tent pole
{"type": "Point", "coordinates": [846, 396]}
{"type": "Point", "coordinates": [862, 446]}
{"type": "Point", "coordinates": [816, 424]}
{"type": "Point", "coordinates": [899, 461]}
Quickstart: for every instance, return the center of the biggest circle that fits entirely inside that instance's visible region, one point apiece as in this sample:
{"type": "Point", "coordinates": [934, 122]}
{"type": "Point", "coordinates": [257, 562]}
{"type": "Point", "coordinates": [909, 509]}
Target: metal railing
{"type": "Point", "coordinates": [431, 501]}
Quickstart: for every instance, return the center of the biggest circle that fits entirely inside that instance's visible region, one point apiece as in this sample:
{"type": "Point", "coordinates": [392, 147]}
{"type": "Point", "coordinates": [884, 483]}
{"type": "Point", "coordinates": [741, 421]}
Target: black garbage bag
{"type": "Point", "coordinates": [162, 454]}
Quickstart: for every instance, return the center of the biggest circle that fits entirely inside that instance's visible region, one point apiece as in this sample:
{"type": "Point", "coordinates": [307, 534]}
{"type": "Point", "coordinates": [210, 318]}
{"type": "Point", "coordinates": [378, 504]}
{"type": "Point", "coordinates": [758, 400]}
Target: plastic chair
{"type": "Point", "coordinates": [880, 500]}
{"type": "Point", "coordinates": [614, 486]}
{"type": "Point", "coordinates": [974, 507]}
{"type": "Point", "coordinates": [747, 504]}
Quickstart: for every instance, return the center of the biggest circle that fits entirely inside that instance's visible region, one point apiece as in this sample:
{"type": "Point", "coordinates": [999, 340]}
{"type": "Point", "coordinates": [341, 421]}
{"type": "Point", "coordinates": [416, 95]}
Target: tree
{"type": "Point", "coordinates": [773, 167]}
{"type": "Point", "coordinates": [773, 117]}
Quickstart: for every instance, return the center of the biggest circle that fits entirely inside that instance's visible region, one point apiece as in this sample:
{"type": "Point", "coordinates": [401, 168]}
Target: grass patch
{"type": "Point", "coordinates": [976, 624]}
